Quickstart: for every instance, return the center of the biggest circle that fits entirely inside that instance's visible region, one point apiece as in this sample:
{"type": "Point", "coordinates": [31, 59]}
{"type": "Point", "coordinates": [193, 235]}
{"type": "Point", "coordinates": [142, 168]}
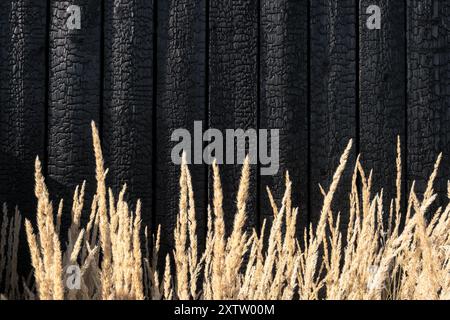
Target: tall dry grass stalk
{"type": "Point", "coordinates": [406, 256]}
{"type": "Point", "coordinates": [100, 261]}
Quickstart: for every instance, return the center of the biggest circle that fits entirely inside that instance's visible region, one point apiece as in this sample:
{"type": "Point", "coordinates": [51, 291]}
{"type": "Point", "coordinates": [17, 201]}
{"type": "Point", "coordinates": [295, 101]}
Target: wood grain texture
{"type": "Point", "coordinates": [428, 56]}
{"type": "Point", "coordinates": [233, 89]}
{"type": "Point", "coordinates": [333, 97]}
{"type": "Point", "coordinates": [382, 93]}
{"type": "Point", "coordinates": [74, 98]}
{"type": "Point", "coordinates": [180, 102]}
{"type": "Point", "coordinates": [22, 99]}
{"type": "Point", "coordinates": [284, 85]}
{"type": "Point", "coordinates": [231, 64]}
{"type": "Point", "coordinates": [128, 95]}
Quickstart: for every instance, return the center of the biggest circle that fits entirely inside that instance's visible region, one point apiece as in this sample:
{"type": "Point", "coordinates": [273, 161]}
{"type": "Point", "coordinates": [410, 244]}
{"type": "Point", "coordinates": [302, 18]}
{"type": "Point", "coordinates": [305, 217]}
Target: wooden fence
{"type": "Point", "coordinates": [142, 68]}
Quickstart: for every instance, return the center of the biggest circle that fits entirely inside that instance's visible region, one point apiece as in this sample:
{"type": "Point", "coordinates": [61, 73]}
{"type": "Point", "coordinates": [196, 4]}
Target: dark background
{"type": "Point", "coordinates": [142, 68]}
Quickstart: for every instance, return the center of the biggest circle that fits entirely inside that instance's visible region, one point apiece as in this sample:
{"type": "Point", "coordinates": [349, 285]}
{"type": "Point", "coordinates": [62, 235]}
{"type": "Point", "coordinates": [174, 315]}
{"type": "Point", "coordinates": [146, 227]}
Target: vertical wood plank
{"type": "Point", "coordinates": [382, 93]}
{"type": "Point", "coordinates": [233, 89]}
{"type": "Point", "coordinates": [284, 85]}
{"type": "Point", "coordinates": [333, 98]}
{"type": "Point", "coordinates": [74, 98]}
{"type": "Point", "coordinates": [428, 31]}
{"type": "Point", "coordinates": [180, 102]}
{"type": "Point", "coordinates": [128, 95]}
{"type": "Point", "coordinates": [22, 99]}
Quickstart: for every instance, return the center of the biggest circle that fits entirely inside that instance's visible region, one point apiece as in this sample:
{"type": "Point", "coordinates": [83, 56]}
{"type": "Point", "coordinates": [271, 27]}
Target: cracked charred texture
{"type": "Point", "coordinates": [22, 99]}
{"type": "Point", "coordinates": [233, 77]}
{"type": "Point", "coordinates": [428, 59]}
{"type": "Point", "coordinates": [284, 76]}
{"type": "Point", "coordinates": [382, 93]}
{"type": "Point", "coordinates": [180, 102]}
{"type": "Point", "coordinates": [74, 99]}
{"type": "Point", "coordinates": [128, 94]}
{"type": "Point", "coordinates": [333, 98]}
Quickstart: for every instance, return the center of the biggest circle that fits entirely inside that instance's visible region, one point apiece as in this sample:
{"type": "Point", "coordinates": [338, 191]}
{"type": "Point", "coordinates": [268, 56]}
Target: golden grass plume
{"type": "Point", "coordinates": [407, 257]}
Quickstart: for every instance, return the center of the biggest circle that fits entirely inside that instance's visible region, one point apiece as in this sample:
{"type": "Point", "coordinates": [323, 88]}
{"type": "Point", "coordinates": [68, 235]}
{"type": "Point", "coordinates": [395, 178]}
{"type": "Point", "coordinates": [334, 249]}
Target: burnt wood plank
{"type": "Point", "coordinates": [180, 102]}
{"type": "Point", "coordinates": [233, 89]}
{"type": "Point", "coordinates": [74, 98]}
{"type": "Point", "coordinates": [382, 93]}
{"type": "Point", "coordinates": [333, 98]}
{"type": "Point", "coordinates": [127, 99]}
{"type": "Point", "coordinates": [428, 56]}
{"type": "Point", "coordinates": [22, 99]}
{"type": "Point", "coordinates": [284, 85]}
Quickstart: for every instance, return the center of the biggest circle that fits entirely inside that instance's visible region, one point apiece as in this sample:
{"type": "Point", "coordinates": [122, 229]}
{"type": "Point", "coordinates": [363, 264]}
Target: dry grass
{"type": "Point", "coordinates": [9, 243]}
{"type": "Point", "coordinates": [406, 257]}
